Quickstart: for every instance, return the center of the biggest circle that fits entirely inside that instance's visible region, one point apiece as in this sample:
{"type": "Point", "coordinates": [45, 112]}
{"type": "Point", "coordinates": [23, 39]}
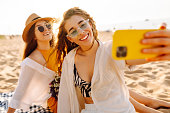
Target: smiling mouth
{"type": "Point", "coordinates": [82, 39]}
{"type": "Point", "coordinates": [46, 34]}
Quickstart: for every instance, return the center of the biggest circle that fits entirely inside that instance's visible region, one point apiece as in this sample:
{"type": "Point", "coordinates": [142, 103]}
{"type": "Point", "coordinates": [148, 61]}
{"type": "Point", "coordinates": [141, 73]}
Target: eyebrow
{"type": "Point", "coordinates": [41, 25]}
{"type": "Point", "coordinates": [37, 25]}
{"type": "Point", "coordinates": [78, 23]}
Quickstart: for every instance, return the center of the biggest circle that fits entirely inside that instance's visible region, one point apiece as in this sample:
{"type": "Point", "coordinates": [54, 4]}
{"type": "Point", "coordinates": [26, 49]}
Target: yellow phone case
{"type": "Point", "coordinates": [127, 46]}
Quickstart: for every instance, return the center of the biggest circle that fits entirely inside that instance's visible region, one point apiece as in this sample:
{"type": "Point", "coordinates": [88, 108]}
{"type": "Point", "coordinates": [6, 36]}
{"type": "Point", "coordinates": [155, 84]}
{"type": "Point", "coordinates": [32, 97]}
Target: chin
{"type": "Point", "coordinates": [48, 38]}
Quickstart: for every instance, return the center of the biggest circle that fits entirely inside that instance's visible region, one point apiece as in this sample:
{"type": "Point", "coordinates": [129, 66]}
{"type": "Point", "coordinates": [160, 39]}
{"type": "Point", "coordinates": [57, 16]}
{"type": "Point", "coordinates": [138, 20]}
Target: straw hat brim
{"type": "Point", "coordinates": [27, 28]}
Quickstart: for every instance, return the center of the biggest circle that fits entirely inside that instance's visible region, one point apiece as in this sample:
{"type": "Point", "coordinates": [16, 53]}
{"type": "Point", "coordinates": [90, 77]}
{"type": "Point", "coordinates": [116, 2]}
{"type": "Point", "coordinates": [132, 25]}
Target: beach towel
{"type": "Point", "coordinates": [5, 99]}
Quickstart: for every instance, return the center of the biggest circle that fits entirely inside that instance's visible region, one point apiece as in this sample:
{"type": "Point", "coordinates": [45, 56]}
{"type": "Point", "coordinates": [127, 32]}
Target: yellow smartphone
{"type": "Point", "coordinates": [127, 46]}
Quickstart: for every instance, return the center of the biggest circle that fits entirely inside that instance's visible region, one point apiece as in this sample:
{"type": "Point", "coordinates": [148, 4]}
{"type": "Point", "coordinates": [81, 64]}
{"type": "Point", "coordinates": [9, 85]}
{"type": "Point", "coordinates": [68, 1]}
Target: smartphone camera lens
{"type": "Point", "coordinates": [121, 51]}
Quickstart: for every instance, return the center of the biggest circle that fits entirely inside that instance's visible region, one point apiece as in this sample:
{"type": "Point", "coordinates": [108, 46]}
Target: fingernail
{"type": "Point", "coordinates": [144, 41]}
{"type": "Point", "coordinates": [145, 50]}
{"type": "Point", "coordinates": [147, 35]}
{"type": "Point", "coordinates": [150, 59]}
{"type": "Point", "coordinates": [154, 59]}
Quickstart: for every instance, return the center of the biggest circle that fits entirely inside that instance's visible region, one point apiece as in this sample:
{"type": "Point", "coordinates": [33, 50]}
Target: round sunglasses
{"type": "Point", "coordinates": [41, 28]}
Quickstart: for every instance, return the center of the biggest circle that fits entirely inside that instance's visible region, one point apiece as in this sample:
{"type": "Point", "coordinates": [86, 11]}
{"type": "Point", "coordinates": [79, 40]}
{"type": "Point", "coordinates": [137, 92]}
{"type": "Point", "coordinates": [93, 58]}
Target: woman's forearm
{"type": "Point", "coordinates": [142, 108]}
{"type": "Point", "coordinates": [140, 98]}
{"type": "Point", "coordinates": [150, 102]}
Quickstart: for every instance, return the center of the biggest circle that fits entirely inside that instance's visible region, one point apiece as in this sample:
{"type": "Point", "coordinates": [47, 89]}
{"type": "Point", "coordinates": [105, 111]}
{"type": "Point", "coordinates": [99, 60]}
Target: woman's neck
{"type": "Point", "coordinates": [92, 49]}
{"type": "Point", "coordinates": [43, 45]}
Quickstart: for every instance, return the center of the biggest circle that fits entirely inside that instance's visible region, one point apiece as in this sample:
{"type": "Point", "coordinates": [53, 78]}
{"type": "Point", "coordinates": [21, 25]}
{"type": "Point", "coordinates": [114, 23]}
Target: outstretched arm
{"type": "Point", "coordinates": [142, 108]}
{"type": "Point", "coordinates": [147, 101]}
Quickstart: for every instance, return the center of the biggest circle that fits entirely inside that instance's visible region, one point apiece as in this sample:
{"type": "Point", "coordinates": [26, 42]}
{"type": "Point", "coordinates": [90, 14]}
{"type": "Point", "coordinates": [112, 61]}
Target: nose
{"type": "Point", "coordinates": [45, 28]}
{"type": "Point", "coordinates": [80, 31]}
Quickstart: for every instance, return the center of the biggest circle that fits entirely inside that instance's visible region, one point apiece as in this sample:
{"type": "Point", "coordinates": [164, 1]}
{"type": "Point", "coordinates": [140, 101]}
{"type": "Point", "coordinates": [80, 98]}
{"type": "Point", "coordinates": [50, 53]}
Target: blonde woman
{"type": "Point", "coordinates": [91, 80]}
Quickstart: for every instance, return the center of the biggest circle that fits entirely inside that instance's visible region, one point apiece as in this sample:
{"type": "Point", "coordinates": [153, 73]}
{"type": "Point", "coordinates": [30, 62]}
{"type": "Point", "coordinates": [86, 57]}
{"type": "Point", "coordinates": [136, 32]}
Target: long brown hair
{"type": "Point", "coordinates": [31, 42]}
{"type": "Point", "coordinates": [64, 45]}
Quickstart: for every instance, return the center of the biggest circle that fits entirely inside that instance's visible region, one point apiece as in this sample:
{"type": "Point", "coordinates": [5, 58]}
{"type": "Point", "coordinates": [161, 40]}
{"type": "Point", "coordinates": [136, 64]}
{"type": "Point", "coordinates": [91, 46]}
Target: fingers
{"type": "Point", "coordinates": [158, 50]}
{"type": "Point", "coordinates": [160, 39]}
{"type": "Point", "coordinates": [159, 33]}
{"type": "Point", "coordinates": [162, 49]}
{"type": "Point", "coordinates": [156, 41]}
{"type": "Point", "coordinates": [159, 58]}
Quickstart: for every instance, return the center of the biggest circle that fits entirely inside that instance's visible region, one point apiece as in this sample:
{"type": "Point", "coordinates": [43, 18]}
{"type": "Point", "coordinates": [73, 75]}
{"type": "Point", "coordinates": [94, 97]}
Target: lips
{"type": "Point", "coordinates": [46, 34]}
{"type": "Point", "coordinates": [84, 38]}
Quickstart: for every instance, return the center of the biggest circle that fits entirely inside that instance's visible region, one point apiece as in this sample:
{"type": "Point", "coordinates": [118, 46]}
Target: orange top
{"type": "Point", "coordinates": [51, 64]}
{"type": "Point", "coordinates": [50, 59]}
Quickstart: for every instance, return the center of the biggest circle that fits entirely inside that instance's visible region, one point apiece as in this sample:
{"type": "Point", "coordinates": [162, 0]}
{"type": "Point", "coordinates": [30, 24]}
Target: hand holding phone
{"type": "Point", "coordinates": [127, 44]}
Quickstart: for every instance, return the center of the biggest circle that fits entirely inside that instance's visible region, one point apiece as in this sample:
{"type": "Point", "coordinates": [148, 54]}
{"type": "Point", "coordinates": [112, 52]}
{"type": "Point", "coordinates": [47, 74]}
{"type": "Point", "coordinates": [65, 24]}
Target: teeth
{"type": "Point", "coordinates": [46, 34]}
{"type": "Point", "coordinates": [84, 38]}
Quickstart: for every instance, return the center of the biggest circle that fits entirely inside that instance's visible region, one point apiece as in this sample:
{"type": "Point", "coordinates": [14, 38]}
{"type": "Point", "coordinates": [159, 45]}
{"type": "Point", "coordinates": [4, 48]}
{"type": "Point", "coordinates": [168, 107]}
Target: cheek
{"type": "Point", "coordinates": [70, 39]}
{"type": "Point", "coordinates": [90, 31]}
{"type": "Point", "coordinates": [37, 35]}
{"type": "Point", "coordinates": [51, 30]}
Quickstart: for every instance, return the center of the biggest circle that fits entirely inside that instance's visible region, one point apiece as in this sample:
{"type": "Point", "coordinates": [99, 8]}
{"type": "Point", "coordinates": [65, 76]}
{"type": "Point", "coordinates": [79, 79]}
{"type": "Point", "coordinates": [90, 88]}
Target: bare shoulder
{"type": "Point", "coordinates": [37, 56]}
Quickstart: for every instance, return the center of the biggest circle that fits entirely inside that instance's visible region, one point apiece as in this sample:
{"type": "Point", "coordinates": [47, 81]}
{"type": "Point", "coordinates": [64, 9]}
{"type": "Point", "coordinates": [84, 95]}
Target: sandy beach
{"type": "Point", "coordinates": [152, 79]}
{"type": "Point", "coordinates": [10, 60]}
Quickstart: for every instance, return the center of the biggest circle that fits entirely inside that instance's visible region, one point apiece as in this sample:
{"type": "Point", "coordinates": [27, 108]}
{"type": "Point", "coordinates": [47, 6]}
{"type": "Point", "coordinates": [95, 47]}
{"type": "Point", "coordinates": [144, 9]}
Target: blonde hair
{"type": "Point", "coordinates": [64, 45]}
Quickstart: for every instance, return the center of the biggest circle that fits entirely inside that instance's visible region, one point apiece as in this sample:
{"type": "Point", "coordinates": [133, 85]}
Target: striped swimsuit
{"type": "Point", "coordinates": [84, 86]}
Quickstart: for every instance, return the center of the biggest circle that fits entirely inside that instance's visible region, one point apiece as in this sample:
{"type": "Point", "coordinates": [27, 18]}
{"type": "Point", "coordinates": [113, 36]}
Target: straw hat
{"type": "Point", "coordinates": [32, 19]}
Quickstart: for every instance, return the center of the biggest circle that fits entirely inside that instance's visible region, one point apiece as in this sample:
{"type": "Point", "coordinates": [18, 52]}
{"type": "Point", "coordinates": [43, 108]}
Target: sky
{"type": "Point", "coordinates": [13, 13]}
